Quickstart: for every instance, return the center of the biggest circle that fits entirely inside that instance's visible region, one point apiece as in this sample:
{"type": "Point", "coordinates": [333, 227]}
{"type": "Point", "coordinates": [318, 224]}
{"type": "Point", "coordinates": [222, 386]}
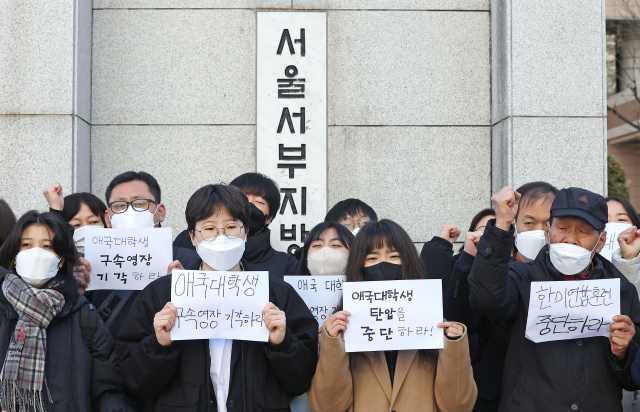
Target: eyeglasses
{"type": "Point", "coordinates": [350, 225]}
{"type": "Point", "coordinates": [210, 232]}
{"type": "Point", "coordinates": [139, 205]}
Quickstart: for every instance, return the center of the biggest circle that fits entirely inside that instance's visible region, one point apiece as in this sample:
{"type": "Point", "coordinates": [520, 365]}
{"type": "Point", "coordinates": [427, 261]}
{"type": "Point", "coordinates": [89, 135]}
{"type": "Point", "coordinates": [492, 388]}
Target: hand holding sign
{"type": "Point", "coordinates": [276, 322]}
{"type": "Point", "coordinates": [337, 323]}
{"type": "Point", "coordinates": [163, 322]}
{"type": "Point", "coordinates": [81, 273]}
{"type": "Point", "coordinates": [622, 331]}
{"type": "Point", "coordinates": [452, 329]}
{"type": "Point", "coordinates": [629, 242]}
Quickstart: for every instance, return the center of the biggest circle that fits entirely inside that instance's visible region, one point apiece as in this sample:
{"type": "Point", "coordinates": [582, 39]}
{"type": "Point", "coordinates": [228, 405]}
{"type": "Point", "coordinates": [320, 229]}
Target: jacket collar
{"type": "Point", "coordinates": [258, 247]}
{"type": "Point", "coordinates": [405, 359]}
{"type": "Point", "coordinates": [379, 365]}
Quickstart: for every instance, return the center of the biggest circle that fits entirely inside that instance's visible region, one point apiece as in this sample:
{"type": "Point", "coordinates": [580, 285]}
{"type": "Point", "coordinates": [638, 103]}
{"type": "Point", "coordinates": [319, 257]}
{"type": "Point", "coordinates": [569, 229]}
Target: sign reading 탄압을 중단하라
{"type": "Point", "coordinates": [292, 119]}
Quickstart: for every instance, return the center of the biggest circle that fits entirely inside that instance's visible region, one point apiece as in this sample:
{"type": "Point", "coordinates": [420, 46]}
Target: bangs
{"type": "Point", "coordinates": [254, 191]}
{"type": "Point", "coordinates": [382, 237]}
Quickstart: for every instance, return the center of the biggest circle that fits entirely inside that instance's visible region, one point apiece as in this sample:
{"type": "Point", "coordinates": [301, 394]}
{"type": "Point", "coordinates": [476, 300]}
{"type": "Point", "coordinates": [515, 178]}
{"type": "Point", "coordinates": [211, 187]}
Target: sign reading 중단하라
{"type": "Point", "coordinates": [292, 119]}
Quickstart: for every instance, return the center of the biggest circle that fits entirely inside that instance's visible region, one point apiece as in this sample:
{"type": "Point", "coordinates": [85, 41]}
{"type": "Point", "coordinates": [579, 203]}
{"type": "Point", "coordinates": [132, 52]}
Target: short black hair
{"type": "Point", "coordinates": [73, 202]}
{"type": "Point", "coordinates": [349, 207]}
{"type": "Point", "coordinates": [533, 191]}
{"type": "Point", "coordinates": [628, 207]}
{"type": "Point", "coordinates": [257, 184]}
{"type": "Point", "coordinates": [211, 199]}
{"type": "Point", "coordinates": [131, 176]}
{"type": "Point", "coordinates": [344, 235]}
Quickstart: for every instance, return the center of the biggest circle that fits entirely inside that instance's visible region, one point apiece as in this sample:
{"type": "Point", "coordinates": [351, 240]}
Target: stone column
{"type": "Point", "coordinates": [548, 93]}
{"type": "Point", "coordinates": [45, 98]}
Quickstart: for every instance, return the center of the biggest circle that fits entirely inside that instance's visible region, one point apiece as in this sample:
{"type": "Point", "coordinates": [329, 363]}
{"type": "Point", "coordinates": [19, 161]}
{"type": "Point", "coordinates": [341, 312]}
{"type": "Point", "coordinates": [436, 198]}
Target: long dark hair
{"type": "Point", "coordinates": [7, 221]}
{"type": "Point", "coordinates": [73, 202]}
{"type": "Point", "coordinates": [344, 235]}
{"type": "Point", "coordinates": [631, 211]}
{"type": "Point", "coordinates": [62, 244]}
{"type": "Point", "coordinates": [386, 233]}
{"type": "Point", "coordinates": [376, 235]}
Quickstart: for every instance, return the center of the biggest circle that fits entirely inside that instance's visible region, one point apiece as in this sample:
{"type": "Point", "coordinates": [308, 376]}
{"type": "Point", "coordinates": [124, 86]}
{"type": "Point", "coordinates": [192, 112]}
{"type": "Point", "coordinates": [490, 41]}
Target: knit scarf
{"type": "Point", "coordinates": [22, 376]}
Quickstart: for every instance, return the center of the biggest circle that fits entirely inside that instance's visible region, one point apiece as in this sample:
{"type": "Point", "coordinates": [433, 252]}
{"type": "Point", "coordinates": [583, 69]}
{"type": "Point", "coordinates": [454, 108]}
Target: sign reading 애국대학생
{"type": "Point", "coordinates": [127, 259]}
{"type": "Point", "coordinates": [322, 294]}
{"type": "Point", "coordinates": [393, 315]}
{"type": "Point", "coordinates": [292, 119]}
{"type": "Point", "coordinates": [219, 305]}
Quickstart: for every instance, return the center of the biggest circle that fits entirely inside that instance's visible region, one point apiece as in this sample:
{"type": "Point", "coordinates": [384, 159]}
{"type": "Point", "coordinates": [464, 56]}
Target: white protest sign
{"type": "Point", "coordinates": [393, 315]}
{"type": "Point", "coordinates": [321, 293]}
{"type": "Point", "coordinates": [219, 305]}
{"type": "Point", "coordinates": [127, 259]}
{"type": "Point", "coordinates": [572, 309]}
{"type": "Point", "coordinates": [613, 229]}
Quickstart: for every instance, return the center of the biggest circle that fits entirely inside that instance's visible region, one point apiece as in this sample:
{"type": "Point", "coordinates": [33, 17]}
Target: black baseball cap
{"type": "Point", "coordinates": [581, 203]}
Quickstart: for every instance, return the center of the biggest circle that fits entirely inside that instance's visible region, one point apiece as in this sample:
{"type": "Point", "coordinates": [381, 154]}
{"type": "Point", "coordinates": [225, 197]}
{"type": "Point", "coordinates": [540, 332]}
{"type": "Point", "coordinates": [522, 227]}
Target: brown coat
{"type": "Point", "coordinates": [360, 382]}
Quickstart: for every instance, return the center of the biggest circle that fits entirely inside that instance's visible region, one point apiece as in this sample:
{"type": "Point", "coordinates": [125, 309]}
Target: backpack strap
{"type": "Point", "coordinates": [88, 323]}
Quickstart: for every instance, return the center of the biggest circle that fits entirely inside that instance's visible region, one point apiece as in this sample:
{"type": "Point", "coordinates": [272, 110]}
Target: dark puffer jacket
{"type": "Point", "coordinates": [563, 375]}
{"type": "Point", "coordinates": [80, 378]}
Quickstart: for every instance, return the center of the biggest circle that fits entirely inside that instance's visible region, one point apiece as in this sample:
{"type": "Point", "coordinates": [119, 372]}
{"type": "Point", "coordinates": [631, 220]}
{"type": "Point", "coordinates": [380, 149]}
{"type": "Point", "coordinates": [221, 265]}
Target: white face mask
{"type": "Point", "coordinates": [570, 259]}
{"type": "Point", "coordinates": [78, 238]}
{"type": "Point", "coordinates": [530, 243]}
{"type": "Point", "coordinates": [36, 266]}
{"type": "Point", "coordinates": [355, 231]}
{"type": "Point", "coordinates": [223, 253]}
{"type": "Point", "coordinates": [327, 262]}
{"type": "Point", "coordinates": [131, 219]}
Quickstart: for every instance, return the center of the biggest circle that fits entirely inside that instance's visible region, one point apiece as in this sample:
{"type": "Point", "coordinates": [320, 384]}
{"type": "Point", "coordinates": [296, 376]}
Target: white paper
{"type": "Point", "coordinates": [219, 305]}
{"type": "Point", "coordinates": [321, 293]}
{"type": "Point", "coordinates": [572, 309]}
{"type": "Point", "coordinates": [393, 315]}
{"type": "Point", "coordinates": [613, 230]}
{"type": "Point", "coordinates": [127, 259]}
{"type": "Point", "coordinates": [295, 157]}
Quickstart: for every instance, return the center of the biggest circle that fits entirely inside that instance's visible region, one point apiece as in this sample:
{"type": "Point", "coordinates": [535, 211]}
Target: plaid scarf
{"type": "Point", "coordinates": [22, 375]}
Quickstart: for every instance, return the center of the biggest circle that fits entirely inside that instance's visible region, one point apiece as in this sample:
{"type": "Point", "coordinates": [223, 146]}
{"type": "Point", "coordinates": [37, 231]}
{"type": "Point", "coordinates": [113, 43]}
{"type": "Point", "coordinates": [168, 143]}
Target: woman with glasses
{"type": "Point", "coordinates": [196, 375]}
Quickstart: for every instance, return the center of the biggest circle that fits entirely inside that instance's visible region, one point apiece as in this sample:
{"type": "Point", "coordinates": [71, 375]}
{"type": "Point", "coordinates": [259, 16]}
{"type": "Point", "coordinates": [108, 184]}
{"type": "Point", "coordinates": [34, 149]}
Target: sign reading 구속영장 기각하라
{"type": "Point", "coordinates": [127, 259]}
{"type": "Point", "coordinates": [292, 119]}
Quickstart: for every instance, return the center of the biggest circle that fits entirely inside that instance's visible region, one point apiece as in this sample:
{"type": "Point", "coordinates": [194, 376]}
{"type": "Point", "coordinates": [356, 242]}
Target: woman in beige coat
{"type": "Point", "coordinates": [403, 381]}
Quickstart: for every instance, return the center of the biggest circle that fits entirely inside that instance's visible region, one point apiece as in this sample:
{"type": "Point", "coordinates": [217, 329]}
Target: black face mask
{"type": "Point", "coordinates": [382, 271]}
{"type": "Point", "coordinates": [257, 220]}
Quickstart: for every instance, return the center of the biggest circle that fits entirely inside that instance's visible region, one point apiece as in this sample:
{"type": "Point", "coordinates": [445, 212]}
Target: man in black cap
{"type": "Point", "coordinates": [580, 374]}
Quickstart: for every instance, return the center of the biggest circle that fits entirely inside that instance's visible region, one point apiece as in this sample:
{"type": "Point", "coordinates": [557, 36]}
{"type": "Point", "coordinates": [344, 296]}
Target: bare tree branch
{"type": "Point", "coordinates": [624, 119]}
